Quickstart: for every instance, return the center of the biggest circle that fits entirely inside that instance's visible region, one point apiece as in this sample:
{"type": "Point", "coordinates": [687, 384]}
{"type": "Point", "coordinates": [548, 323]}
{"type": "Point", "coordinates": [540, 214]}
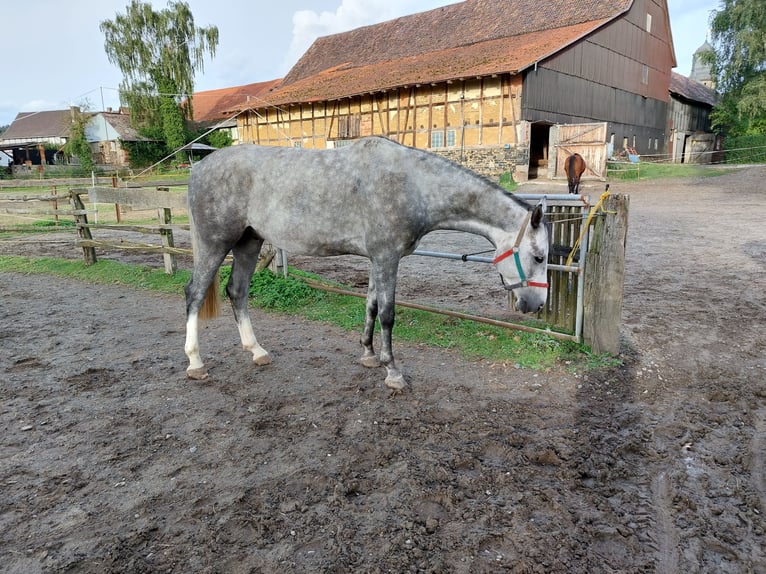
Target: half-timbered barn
{"type": "Point", "coordinates": [498, 85]}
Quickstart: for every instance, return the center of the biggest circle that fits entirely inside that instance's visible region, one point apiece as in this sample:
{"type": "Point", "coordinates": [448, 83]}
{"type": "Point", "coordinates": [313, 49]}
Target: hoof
{"type": "Point", "coordinates": [370, 362]}
{"type": "Point", "coordinates": [396, 382]}
{"type": "Point", "coordinates": [199, 374]}
{"type": "Point", "coordinates": [261, 360]}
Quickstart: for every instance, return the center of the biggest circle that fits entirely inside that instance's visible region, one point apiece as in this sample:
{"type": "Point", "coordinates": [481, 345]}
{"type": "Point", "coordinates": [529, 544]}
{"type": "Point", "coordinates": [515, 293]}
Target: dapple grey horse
{"type": "Point", "coordinates": [374, 198]}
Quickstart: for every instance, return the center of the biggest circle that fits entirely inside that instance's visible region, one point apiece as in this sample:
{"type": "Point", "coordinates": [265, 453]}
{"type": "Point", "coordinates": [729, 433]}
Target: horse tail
{"type": "Point", "coordinates": [211, 305]}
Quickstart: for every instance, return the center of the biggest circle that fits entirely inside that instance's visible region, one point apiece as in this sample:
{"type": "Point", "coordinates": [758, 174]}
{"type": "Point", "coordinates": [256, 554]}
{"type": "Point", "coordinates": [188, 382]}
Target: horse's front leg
{"type": "Point", "coordinates": [369, 358]}
{"type": "Point", "coordinates": [381, 302]}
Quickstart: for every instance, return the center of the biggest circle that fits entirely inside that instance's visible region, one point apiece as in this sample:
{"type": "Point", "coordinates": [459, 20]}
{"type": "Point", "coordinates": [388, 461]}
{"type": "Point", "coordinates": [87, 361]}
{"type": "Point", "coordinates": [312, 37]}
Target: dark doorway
{"type": "Point", "coordinates": [540, 136]}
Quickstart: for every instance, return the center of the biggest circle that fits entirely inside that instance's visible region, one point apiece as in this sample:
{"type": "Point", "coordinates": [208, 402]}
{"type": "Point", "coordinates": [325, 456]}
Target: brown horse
{"type": "Point", "coordinates": [574, 166]}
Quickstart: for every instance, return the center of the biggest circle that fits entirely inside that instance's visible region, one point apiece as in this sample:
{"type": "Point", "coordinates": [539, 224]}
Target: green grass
{"type": "Point", "coordinates": [292, 296]}
{"type": "Point", "coordinates": [646, 170]}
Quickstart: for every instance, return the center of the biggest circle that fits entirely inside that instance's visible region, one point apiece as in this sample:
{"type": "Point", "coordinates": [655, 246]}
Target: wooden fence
{"type": "Point", "coordinates": [160, 199]}
{"type": "Point", "coordinates": [23, 209]}
{"type": "Point", "coordinates": [585, 295]}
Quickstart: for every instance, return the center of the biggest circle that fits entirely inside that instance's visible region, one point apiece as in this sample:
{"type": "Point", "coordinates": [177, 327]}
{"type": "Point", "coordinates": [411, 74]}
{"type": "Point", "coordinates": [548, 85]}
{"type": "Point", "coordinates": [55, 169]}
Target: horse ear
{"type": "Point", "coordinates": [537, 214]}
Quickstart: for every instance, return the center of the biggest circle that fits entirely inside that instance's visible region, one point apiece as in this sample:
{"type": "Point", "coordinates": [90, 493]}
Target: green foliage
{"type": "Point", "coordinates": [158, 54]}
{"type": "Point", "coordinates": [77, 145]}
{"type": "Point", "coordinates": [274, 292]}
{"type": "Point", "coordinates": [145, 153]}
{"type": "Point", "coordinates": [219, 138]}
{"type": "Point", "coordinates": [506, 181]}
{"type": "Point", "coordinates": [746, 149]}
{"type": "Point", "coordinates": [739, 66]}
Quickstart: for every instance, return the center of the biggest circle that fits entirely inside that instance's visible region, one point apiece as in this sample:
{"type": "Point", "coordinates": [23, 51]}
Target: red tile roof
{"type": "Point", "coordinates": [224, 103]}
{"type": "Point", "coordinates": [468, 39]}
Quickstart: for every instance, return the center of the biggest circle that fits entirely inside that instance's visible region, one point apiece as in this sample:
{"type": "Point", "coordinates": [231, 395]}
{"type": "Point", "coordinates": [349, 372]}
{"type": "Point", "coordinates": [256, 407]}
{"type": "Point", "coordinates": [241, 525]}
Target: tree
{"type": "Point", "coordinates": [158, 54]}
{"type": "Point", "coordinates": [739, 66]}
{"type": "Point", "coordinates": [77, 144]}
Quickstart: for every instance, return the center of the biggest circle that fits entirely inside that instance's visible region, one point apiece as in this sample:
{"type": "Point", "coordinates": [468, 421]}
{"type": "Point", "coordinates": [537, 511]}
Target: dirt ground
{"type": "Point", "coordinates": [112, 461]}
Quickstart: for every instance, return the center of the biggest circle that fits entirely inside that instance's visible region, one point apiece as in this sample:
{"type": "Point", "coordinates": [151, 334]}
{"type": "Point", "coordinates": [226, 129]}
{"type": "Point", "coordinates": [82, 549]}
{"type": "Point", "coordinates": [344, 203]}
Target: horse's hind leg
{"type": "Point", "coordinates": [205, 270]}
{"type": "Point", "coordinates": [245, 254]}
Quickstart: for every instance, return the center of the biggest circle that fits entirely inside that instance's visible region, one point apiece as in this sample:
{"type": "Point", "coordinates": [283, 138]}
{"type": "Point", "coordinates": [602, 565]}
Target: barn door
{"type": "Point", "coordinates": [589, 140]}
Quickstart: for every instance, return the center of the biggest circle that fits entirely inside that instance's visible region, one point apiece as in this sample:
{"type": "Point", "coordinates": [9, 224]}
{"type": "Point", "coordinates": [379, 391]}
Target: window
{"type": "Point", "coordinates": [649, 23]}
{"type": "Point", "coordinates": [437, 139]}
{"type": "Point", "coordinates": [645, 74]}
{"type": "Point", "coordinates": [349, 126]}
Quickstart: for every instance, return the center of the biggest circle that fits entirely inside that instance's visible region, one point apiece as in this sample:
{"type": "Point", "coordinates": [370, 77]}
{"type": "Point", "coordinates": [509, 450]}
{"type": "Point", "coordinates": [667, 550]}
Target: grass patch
{"type": "Point", "coordinates": [624, 171]}
{"type": "Point", "coordinates": [290, 295]}
{"type": "Point", "coordinates": [102, 272]}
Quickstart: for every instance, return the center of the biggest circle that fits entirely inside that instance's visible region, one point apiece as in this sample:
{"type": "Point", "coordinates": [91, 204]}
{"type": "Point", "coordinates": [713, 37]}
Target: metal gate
{"type": "Point", "coordinates": [589, 140]}
{"type": "Point", "coordinates": [563, 311]}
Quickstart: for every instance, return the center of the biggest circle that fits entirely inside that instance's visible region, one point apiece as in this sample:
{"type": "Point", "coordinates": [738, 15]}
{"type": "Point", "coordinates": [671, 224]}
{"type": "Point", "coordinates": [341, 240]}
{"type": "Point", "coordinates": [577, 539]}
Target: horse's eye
{"type": "Point", "coordinates": [539, 259]}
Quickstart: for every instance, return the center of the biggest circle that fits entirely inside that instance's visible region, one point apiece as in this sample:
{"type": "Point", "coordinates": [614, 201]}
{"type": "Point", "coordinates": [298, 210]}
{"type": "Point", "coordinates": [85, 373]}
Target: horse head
{"type": "Point", "coordinates": [523, 264]}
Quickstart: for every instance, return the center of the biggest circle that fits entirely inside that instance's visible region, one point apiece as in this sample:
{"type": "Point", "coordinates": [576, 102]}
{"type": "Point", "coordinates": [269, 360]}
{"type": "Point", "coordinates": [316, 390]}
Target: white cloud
{"type": "Point", "coordinates": [309, 25]}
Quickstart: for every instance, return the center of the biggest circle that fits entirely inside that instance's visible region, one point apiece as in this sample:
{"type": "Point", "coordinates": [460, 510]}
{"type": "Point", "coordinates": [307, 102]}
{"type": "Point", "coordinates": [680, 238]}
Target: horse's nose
{"type": "Point", "coordinates": [526, 306]}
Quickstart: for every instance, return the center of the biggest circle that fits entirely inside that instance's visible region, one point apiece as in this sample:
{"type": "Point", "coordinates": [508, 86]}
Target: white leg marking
{"type": "Point", "coordinates": [249, 343]}
{"type": "Point", "coordinates": [196, 369]}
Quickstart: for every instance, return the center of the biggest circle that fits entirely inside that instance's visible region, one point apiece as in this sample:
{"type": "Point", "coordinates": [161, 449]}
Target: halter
{"type": "Point", "coordinates": [515, 252]}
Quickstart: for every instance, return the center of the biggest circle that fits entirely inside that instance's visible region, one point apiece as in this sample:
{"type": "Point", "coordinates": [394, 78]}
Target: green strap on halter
{"type": "Point", "coordinates": [519, 268]}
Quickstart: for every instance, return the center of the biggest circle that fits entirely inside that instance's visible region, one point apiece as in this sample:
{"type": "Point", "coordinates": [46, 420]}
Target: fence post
{"type": "Point", "coordinates": [604, 277]}
{"type": "Point", "coordinates": [166, 234]}
{"type": "Point", "coordinates": [81, 221]}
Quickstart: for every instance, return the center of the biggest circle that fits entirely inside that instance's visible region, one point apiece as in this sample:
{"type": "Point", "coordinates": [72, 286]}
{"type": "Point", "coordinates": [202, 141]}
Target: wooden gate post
{"type": "Point", "coordinates": [604, 277]}
{"type": "Point", "coordinates": [166, 234]}
{"type": "Point", "coordinates": [83, 231]}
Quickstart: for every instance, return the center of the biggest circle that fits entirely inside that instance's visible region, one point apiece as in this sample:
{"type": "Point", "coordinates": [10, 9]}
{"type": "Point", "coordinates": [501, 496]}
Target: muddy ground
{"type": "Point", "coordinates": [112, 461]}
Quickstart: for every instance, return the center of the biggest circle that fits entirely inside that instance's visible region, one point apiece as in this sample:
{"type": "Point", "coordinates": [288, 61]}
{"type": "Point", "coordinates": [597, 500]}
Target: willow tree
{"type": "Point", "coordinates": [739, 65]}
{"type": "Point", "coordinates": [158, 54]}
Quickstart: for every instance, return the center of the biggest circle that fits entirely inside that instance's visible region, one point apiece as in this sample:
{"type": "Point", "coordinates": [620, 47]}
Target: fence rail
{"type": "Point", "coordinates": [585, 294]}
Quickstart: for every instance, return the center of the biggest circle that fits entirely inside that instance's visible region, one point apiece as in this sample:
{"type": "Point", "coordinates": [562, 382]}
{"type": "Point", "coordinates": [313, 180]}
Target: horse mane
{"type": "Point", "coordinates": [432, 156]}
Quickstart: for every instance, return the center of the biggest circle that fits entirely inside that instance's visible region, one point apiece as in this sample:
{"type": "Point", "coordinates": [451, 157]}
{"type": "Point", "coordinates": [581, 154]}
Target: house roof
{"type": "Point", "coordinates": [32, 125]}
{"type": "Point", "coordinates": [121, 124]}
{"type": "Point", "coordinates": [692, 90]}
{"type": "Point", "coordinates": [467, 39]}
{"type": "Point", "coordinates": [212, 106]}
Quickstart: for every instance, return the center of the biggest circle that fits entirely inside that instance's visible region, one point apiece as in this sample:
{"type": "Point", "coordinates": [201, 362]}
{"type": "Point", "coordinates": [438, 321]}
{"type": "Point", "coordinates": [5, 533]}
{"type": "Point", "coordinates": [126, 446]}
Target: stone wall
{"type": "Point", "coordinates": [491, 161]}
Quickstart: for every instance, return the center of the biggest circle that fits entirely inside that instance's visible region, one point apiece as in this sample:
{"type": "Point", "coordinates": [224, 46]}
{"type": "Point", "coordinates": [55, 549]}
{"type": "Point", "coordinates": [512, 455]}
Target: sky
{"type": "Point", "coordinates": [55, 56]}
